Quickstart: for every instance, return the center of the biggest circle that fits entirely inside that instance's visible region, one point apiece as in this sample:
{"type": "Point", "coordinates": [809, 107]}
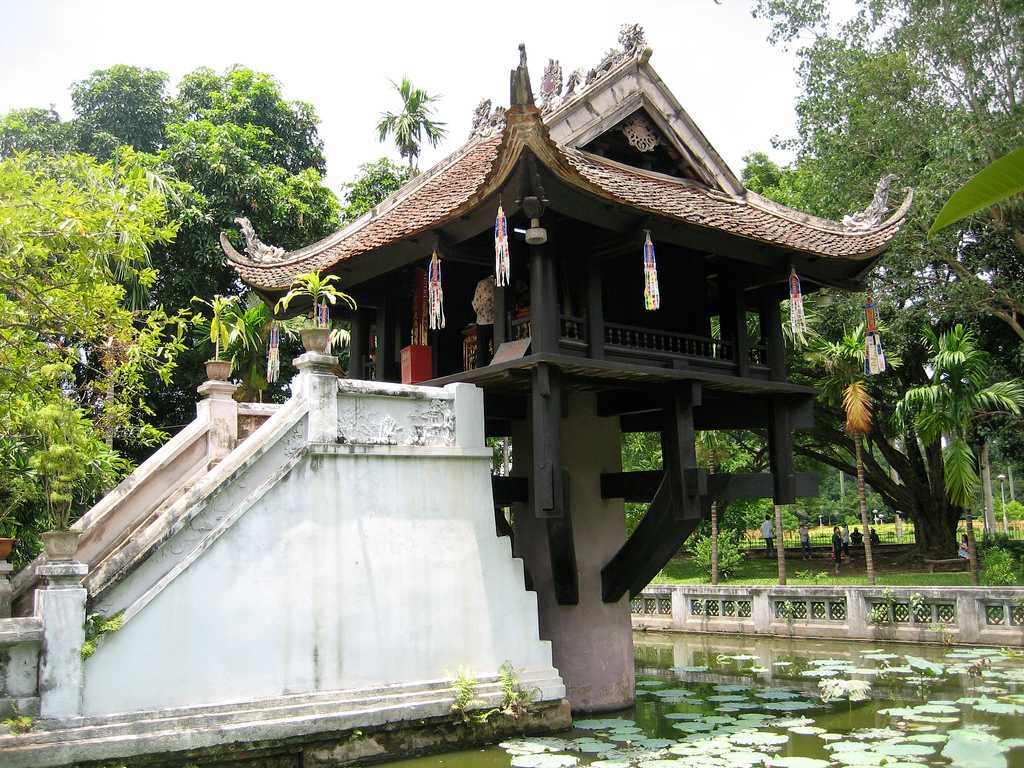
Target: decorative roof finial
{"type": "Point", "coordinates": [255, 248]}
{"type": "Point", "coordinates": [520, 90]}
{"type": "Point", "coordinates": [872, 216]}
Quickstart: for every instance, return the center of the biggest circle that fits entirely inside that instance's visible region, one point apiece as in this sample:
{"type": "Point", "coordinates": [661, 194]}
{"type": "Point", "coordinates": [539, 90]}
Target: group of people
{"type": "Point", "coordinates": [842, 539]}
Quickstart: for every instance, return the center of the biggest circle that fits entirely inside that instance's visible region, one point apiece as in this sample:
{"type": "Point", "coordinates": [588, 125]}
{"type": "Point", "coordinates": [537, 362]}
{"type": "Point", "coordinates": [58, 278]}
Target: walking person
{"type": "Point", "coordinates": [768, 534]}
{"type": "Point", "coordinates": [837, 547]}
{"type": "Point", "coordinates": [846, 539]}
{"type": "Point", "coordinates": [805, 540]}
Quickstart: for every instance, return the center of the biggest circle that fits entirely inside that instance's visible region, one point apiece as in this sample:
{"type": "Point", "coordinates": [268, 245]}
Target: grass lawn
{"type": "Point", "coordinates": [757, 570]}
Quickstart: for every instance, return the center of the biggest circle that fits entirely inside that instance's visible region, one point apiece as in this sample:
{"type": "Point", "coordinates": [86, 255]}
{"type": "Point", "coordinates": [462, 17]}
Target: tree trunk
{"type": "Point", "coordinates": [714, 542]}
{"type": "Point", "coordinates": [935, 534]}
{"type": "Point", "coordinates": [986, 483]}
{"type": "Point", "coordinates": [780, 545]}
{"type": "Point", "coordinates": [869, 560]}
{"type": "Point", "coordinates": [972, 552]}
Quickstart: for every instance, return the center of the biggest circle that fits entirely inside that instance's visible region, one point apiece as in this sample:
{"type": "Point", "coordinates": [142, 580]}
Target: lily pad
{"type": "Point", "coordinates": [904, 750]}
{"type": "Point", "coordinates": [798, 762]}
{"type": "Point", "coordinates": [544, 761]}
{"type": "Point", "coordinates": [916, 662]}
{"type": "Point", "coordinates": [600, 725]}
{"type": "Point", "coordinates": [970, 748]}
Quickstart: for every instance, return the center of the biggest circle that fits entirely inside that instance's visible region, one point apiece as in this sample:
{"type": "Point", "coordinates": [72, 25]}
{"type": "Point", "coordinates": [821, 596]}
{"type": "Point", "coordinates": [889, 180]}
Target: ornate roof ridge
{"type": "Point", "coordinates": [288, 258]}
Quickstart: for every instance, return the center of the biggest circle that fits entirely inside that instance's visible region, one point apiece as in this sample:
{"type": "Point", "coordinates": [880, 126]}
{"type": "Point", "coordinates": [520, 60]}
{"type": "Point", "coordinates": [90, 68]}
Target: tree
{"type": "Point", "coordinates": [931, 92]}
{"type": "Point", "coordinates": [74, 361]}
{"type": "Point", "coordinates": [374, 184]}
{"type": "Point", "coordinates": [120, 106]}
{"type": "Point", "coordinates": [845, 384]}
{"type": "Point", "coordinates": [712, 451]}
{"type": "Point", "coordinates": [958, 395]}
{"type": "Point", "coordinates": [35, 130]}
{"type": "Point", "coordinates": [412, 124]}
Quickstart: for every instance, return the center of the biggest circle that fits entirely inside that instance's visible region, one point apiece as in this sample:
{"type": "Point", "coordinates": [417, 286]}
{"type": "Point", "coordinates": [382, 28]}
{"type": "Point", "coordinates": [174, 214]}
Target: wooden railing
{"type": "Point", "coordinates": [573, 328]}
{"type": "Point", "coordinates": [665, 343]}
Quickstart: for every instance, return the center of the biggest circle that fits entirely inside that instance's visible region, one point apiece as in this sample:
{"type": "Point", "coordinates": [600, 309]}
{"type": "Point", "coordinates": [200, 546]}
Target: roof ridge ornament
{"type": "Point", "coordinates": [520, 90]}
{"type": "Point", "coordinates": [256, 249]}
{"type": "Point", "coordinates": [634, 45]}
{"type": "Point", "coordinates": [487, 121]}
{"type": "Point", "coordinates": [873, 215]}
{"type": "Point", "coordinates": [551, 86]}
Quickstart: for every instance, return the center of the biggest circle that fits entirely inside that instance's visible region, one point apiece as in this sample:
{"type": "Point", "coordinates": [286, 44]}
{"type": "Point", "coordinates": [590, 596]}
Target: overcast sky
{"type": "Point", "coordinates": [341, 56]}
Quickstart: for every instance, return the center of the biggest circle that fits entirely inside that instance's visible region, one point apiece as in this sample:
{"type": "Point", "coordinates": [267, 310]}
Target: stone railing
{"type": "Point", "coordinates": [20, 641]}
{"type": "Point", "coordinates": [947, 615]}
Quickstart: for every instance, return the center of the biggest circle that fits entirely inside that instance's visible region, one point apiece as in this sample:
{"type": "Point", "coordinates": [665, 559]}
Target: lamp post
{"type": "Point", "coordinates": [1002, 494]}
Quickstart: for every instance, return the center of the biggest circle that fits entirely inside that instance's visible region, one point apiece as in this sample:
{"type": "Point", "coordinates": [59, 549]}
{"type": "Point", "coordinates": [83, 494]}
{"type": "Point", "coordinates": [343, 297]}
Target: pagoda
{"type": "Point", "coordinates": [643, 293]}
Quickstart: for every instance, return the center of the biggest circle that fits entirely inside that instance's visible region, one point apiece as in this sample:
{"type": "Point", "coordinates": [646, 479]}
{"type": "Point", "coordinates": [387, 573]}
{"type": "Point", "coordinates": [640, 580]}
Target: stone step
{"type": "Point", "coordinates": [287, 707]}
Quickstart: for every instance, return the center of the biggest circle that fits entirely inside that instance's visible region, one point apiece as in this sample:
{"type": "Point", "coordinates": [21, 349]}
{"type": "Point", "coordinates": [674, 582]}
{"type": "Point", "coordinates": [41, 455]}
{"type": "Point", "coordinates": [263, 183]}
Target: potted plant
{"type": "Point", "coordinates": [7, 528]}
{"type": "Point", "coordinates": [321, 291]}
{"type": "Point", "coordinates": [220, 334]}
{"type": "Point", "coordinates": [60, 463]}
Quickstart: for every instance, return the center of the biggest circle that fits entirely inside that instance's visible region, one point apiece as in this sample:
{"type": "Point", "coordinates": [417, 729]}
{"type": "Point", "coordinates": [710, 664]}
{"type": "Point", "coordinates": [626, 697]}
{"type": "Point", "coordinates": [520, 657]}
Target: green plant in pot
{"type": "Point", "coordinates": [8, 525]}
{"type": "Point", "coordinates": [321, 291]}
{"type": "Point", "coordinates": [222, 310]}
{"type": "Point", "coordinates": [60, 463]}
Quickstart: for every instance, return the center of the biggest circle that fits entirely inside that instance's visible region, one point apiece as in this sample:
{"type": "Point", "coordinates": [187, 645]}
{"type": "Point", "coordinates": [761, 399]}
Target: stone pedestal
{"type": "Point", "coordinates": [219, 408]}
{"type": "Point", "coordinates": [318, 384]}
{"type": "Point", "coordinates": [61, 606]}
{"type": "Point", "coordinates": [592, 642]}
{"type": "Point", "coordinates": [5, 589]}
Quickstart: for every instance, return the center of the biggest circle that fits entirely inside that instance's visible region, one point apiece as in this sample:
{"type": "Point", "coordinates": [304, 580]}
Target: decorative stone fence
{"type": "Point", "coordinates": [961, 615]}
{"type": "Point", "coordinates": [20, 640]}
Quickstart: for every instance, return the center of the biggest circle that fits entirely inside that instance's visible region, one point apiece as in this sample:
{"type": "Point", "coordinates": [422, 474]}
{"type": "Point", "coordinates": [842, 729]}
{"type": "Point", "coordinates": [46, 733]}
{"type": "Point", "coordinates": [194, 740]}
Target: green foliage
{"type": "Point", "coordinates": [996, 182]}
{"type": "Point", "coordinates": [464, 690]}
{"type": "Point", "coordinates": [96, 626]}
{"type": "Point", "coordinates": [730, 556]}
{"type": "Point", "coordinates": [998, 567]}
{"type": "Point", "coordinates": [35, 130]}
{"type": "Point", "coordinates": [410, 126]}
{"type": "Point", "coordinates": [223, 323]}
{"type": "Point", "coordinates": [1015, 510]}
{"type": "Point", "coordinates": [18, 724]}
{"type": "Point", "coordinates": [515, 700]}
{"type": "Point", "coordinates": [75, 363]}
{"type": "Point", "coordinates": [374, 184]}
{"type": "Point", "coordinates": [119, 106]}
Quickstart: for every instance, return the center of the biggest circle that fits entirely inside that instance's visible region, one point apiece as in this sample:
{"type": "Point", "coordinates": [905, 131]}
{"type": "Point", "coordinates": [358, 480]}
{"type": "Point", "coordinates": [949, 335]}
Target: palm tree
{"type": "Point", "coordinates": [780, 545]}
{"type": "Point", "coordinates": [845, 385]}
{"type": "Point", "coordinates": [956, 396]}
{"type": "Point", "coordinates": [411, 124]}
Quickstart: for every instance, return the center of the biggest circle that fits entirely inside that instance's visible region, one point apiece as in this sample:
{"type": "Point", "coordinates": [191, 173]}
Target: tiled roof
{"type": "Point", "coordinates": [458, 184]}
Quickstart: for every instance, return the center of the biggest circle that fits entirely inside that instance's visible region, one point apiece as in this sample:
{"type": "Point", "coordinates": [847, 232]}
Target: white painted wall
{"type": "Point", "coordinates": [366, 565]}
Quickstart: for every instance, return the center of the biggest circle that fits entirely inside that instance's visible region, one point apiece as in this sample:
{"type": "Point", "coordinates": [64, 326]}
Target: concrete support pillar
{"type": "Point", "coordinates": [592, 641]}
{"type": "Point", "coordinates": [219, 408]}
{"type": "Point", "coordinates": [761, 611]}
{"type": "Point", "coordinates": [5, 589]}
{"type": "Point", "coordinates": [858, 614]}
{"type": "Point", "coordinates": [317, 383]}
{"type": "Point", "coordinates": [970, 616]}
{"type": "Point", "coordinates": [469, 415]}
{"type": "Point", "coordinates": [61, 607]}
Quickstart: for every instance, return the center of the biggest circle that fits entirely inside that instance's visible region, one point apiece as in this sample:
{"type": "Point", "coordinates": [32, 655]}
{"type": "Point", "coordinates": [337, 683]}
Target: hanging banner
{"type": "Point", "coordinates": [435, 294]}
{"type": "Point", "coordinates": [419, 324]}
{"type": "Point", "coordinates": [797, 318]}
{"type": "Point", "coordinates": [273, 353]}
{"type": "Point", "coordinates": [874, 357]}
{"type": "Point", "coordinates": [501, 257]}
{"type": "Point", "coordinates": [652, 297]}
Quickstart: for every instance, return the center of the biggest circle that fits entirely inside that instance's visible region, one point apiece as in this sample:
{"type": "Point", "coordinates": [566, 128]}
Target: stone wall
{"type": "Point", "coordinates": [968, 615]}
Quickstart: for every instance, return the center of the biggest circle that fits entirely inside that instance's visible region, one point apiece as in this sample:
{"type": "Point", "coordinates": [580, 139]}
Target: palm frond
{"type": "Point", "coordinates": [857, 405]}
{"type": "Point", "coordinates": [961, 477]}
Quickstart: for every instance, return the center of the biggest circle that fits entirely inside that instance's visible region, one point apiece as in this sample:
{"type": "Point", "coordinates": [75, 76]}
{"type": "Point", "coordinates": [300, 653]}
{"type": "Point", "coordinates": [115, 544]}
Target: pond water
{"type": "Point", "coordinates": [732, 702]}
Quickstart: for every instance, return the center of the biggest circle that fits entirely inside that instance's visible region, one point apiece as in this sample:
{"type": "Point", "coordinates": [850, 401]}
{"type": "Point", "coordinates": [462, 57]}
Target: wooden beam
{"type": "Point", "coordinates": [500, 315]}
{"type": "Point", "coordinates": [656, 539]}
{"type": "Point", "coordinates": [544, 320]}
{"type": "Point", "coordinates": [504, 406]}
{"type": "Point", "coordinates": [562, 548]}
{"type": "Point", "coordinates": [359, 344]}
{"type": "Point", "coordinates": [510, 490]}
{"type": "Point", "coordinates": [750, 412]}
{"type": "Point", "coordinates": [501, 525]}
{"type": "Point", "coordinates": [733, 318]}
{"type": "Point", "coordinates": [780, 453]}
{"type": "Point", "coordinates": [617, 402]}
{"type": "Point", "coordinates": [641, 486]}
{"type": "Point", "coordinates": [497, 427]}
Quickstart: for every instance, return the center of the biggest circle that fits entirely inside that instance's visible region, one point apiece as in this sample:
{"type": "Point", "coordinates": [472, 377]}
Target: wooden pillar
{"type": "Point", "coordinates": [544, 318]}
{"type": "Point", "coordinates": [732, 314]}
{"type": "Point", "coordinates": [359, 344]}
{"type": "Point", "coordinates": [549, 482]}
{"type": "Point", "coordinates": [780, 452]}
{"type": "Point", "coordinates": [678, 448]}
{"type": "Point", "coordinates": [771, 330]}
{"type": "Point", "coordinates": [595, 309]}
{"type": "Point", "coordinates": [385, 363]}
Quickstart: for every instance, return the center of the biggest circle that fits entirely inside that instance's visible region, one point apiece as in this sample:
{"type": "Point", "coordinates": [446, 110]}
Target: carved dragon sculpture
{"type": "Point", "coordinates": [873, 215]}
{"type": "Point", "coordinates": [256, 249]}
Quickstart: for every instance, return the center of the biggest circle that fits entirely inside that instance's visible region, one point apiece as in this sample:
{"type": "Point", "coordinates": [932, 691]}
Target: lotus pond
{"type": "Point", "coordinates": [712, 702]}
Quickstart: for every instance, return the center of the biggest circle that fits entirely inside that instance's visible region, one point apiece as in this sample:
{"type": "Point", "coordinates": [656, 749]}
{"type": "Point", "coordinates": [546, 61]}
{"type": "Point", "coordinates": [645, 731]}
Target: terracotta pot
{"type": "Point", "coordinates": [315, 339]}
{"type": "Point", "coordinates": [218, 370]}
{"type": "Point", "coordinates": [6, 545]}
{"type": "Point", "coordinates": [61, 545]}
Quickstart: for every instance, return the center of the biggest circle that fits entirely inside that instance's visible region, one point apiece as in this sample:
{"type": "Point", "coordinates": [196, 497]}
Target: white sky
{"type": "Point", "coordinates": [340, 57]}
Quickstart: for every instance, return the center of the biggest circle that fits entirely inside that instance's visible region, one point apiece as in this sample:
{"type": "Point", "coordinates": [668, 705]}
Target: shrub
{"type": "Point", "coordinates": [729, 554]}
{"type": "Point", "coordinates": [998, 568]}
